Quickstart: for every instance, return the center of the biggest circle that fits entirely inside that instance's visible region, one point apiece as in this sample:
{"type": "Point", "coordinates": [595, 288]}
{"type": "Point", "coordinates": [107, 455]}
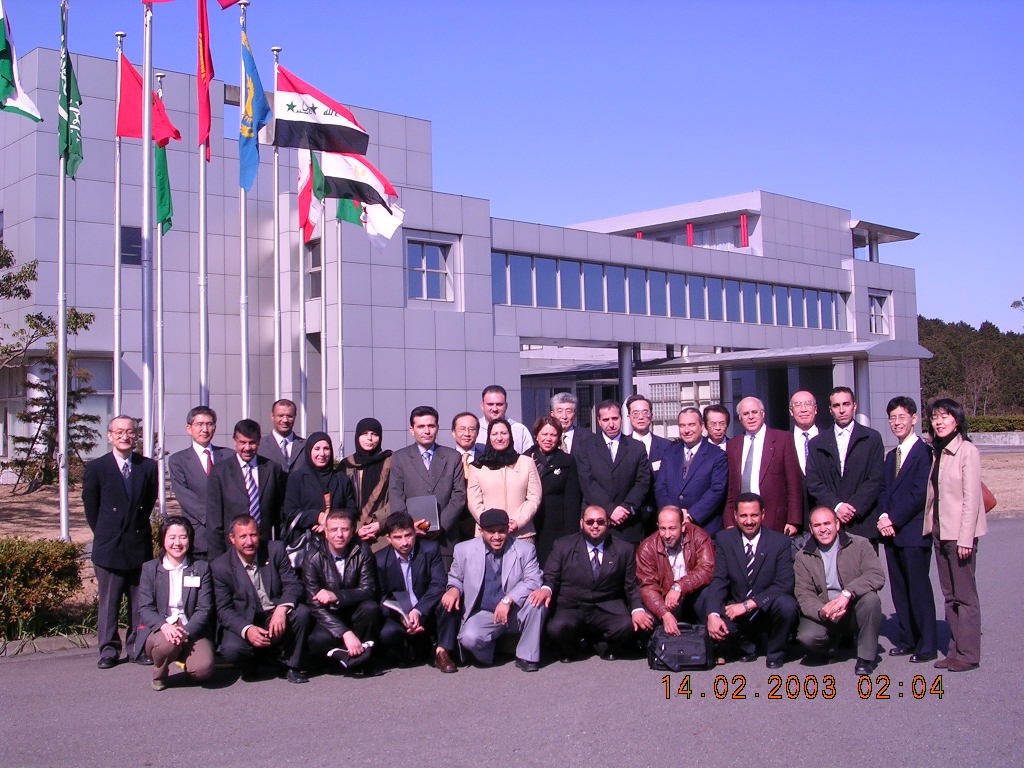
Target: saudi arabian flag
{"type": "Point", "coordinates": [69, 104]}
{"type": "Point", "coordinates": [12, 97]}
{"type": "Point", "coordinates": [164, 204]}
{"type": "Point", "coordinates": [350, 211]}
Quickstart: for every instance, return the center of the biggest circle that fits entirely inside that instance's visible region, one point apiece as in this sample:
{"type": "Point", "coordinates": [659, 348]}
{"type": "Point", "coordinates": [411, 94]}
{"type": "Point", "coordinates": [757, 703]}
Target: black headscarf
{"type": "Point", "coordinates": [493, 459]}
{"type": "Point", "coordinates": [370, 462]}
{"type": "Point", "coordinates": [322, 473]}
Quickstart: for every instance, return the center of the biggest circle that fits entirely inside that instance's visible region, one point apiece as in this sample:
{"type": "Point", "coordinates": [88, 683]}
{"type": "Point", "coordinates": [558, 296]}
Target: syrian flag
{"type": "Point", "coordinates": [353, 177]}
{"type": "Point", "coordinates": [129, 109]}
{"type": "Point", "coordinates": [311, 181]}
{"type": "Point", "coordinates": [308, 119]}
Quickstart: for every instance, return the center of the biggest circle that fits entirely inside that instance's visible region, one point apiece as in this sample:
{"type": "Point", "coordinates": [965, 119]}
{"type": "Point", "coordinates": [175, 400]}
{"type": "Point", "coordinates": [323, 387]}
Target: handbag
{"type": "Point", "coordinates": [988, 498]}
{"type": "Point", "coordinates": [690, 649]}
{"type": "Point", "coordinates": [296, 550]}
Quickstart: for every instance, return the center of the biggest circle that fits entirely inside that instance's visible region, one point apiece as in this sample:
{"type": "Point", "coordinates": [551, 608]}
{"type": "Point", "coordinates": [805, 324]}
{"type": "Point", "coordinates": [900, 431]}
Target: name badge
{"type": "Point", "coordinates": [190, 581]}
{"type": "Point", "coordinates": [656, 465]}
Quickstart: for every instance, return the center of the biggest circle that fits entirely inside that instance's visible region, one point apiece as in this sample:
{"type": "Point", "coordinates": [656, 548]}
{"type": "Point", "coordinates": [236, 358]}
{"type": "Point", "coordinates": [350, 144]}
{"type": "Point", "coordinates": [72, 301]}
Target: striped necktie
{"type": "Point", "coordinates": [254, 493]}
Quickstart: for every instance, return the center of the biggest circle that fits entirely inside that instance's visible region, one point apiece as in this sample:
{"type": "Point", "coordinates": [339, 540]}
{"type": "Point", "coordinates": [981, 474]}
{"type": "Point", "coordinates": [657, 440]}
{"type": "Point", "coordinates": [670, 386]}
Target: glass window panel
{"type": "Point", "coordinates": [499, 284]}
{"type": "Point", "coordinates": [521, 279]}
{"type": "Point", "coordinates": [797, 304]}
{"type": "Point", "coordinates": [414, 255]}
{"type": "Point", "coordinates": [782, 304]}
{"type": "Point", "coordinates": [569, 280]}
{"type": "Point", "coordinates": [828, 310]}
{"type": "Point", "coordinates": [435, 256]}
{"type": "Point", "coordinates": [698, 308]}
{"type": "Point", "coordinates": [314, 257]}
{"type": "Point", "coordinates": [812, 309]}
{"type": "Point", "coordinates": [547, 282]}
{"type": "Point", "coordinates": [131, 246]}
{"type": "Point", "coordinates": [767, 304]}
{"type": "Point", "coordinates": [657, 282]}
{"type": "Point", "coordinates": [615, 277]}
{"type": "Point", "coordinates": [593, 287]}
{"type": "Point", "coordinates": [715, 308]}
{"type": "Point", "coordinates": [315, 285]}
{"type": "Point", "coordinates": [732, 301]}
{"type": "Point", "coordinates": [749, 295]}
{"type": "Point", "coordinates": [637, 291]}
{"type": "Point", "coordinates": [677, 295]}
{"type": "Point", "coordinates": [415, 279]}
{"type": "Point", "coordinates": [435, 285]}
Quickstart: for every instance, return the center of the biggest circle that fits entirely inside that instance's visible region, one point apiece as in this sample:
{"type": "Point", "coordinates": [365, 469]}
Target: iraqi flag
{"type": "Point", "coordinates": [353, 177]}
{"type": "Point", "coordinates": [306, 118]}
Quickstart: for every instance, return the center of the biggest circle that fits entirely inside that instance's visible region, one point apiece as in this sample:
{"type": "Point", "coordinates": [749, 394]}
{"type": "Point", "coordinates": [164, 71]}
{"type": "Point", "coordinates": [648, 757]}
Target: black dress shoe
{"type": "Point", "coordinates": [296, 676]}
{"type": "Point", "coordinates": [747, 658]}
{"type": "Point", "coordinates": [899, 650]}
{"type": "Point", "coordinates": [527, 666]}
{"type": "Point", "coordinates": [106, 662]}
{"type": "Point", "coordinates": [864, 667]}
{"type": "Point", "coordinates": [773, 663]}
{"type": "Point", "coordinates": [143, 661]}
{"type": "Point", "coordinates": [921, 658]}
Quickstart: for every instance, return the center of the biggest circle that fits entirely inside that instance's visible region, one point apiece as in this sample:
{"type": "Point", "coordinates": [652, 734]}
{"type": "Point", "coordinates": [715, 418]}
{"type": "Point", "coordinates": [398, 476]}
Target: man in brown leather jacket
{"type": "Point", "coordinates": [673, 565]}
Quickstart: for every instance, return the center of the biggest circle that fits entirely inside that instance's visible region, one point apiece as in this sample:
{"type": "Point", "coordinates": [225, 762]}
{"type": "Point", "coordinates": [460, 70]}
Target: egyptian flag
{"type": "Point", "coordinates": [353, 177]}
{"type": "Point", "coordinates": [306, 118]}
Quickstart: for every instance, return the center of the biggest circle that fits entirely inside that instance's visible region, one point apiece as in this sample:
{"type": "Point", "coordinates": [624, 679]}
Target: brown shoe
{"type": "Point", "coordinates": [955, 665]}
{"type": "Point", "coordinates": [444, 662]}
{"type": "Point", "coordinates": [942, 663]}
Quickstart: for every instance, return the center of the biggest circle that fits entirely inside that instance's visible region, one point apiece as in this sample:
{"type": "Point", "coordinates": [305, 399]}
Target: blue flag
{"type": "Point", "coordinates": [255, 113]}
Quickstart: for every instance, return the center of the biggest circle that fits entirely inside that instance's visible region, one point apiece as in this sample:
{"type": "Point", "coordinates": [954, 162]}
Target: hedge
{"type": "Point", "coordinates": [36, 575]}
{"type": "Point", "coordinates": [1011, 423]}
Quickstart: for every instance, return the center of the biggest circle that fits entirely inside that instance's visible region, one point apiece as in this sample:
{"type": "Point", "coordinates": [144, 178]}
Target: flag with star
{"type": "Point", "coordinates": [306, 118]}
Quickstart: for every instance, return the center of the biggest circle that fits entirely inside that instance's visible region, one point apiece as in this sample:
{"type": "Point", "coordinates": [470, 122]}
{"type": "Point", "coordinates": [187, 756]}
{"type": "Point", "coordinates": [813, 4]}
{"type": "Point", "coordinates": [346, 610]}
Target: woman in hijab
{"type": "Point", "coordinates": [368, 469]}
{"type": "Point", "coordinates": [502, 479]}
{"type": "Point", "coordinates": [314, 489]}
{"type": "Point", "coordinates": [559, 511]}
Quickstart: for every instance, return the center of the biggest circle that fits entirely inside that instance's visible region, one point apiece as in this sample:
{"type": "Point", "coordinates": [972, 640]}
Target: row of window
{"type": "Point", "coordinates": [538, 281]}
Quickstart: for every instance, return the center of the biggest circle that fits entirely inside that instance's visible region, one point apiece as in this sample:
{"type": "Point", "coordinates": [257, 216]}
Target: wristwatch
{"type": "Point", "coordinates": [506, 601]}
{"type": "Point", "coordinates": [676, 588]}
{"type": "Point", "coordinates": [847, 594]}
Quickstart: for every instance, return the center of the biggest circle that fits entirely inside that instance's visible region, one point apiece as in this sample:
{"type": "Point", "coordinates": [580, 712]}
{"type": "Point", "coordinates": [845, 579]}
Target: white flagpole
{"type": "Point", "coordinates": [341, 365]}
{"type": "Point", "coordinates": [62, 339]}
{"type": "Point", "coordinates": [277, 253]}
{"type": "Point", "coordinates": [147, 233]}
{"type": "Point", "coordinates": [117, 235]}
{"type": "Point", "coordinates": [203, 280]}
{"type": "Point", "coordinates": [161, 454]}
{"type": "Point", "coordinates": [323, 321]}
{"type": "Point", "coordinates": [243, 248]}
{"type": "Point", "coordinates": [303, 361]}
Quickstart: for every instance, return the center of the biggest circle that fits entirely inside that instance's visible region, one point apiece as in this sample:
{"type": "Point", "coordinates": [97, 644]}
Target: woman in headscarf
{"type": "Point", "coordinates": [368, 469]}
{"type": "Point", "coordinates": [314, 489]}
{"type": "Point", "coordinates": [559, 511]}
{"type": "Point", "coordinates": [503, 479]}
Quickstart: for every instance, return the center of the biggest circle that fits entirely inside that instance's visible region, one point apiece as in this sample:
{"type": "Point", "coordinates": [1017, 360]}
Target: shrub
{"type": "Point", "coordinates": [36, 576]}
{"type": "Point", "coordinates": [1010, 423]}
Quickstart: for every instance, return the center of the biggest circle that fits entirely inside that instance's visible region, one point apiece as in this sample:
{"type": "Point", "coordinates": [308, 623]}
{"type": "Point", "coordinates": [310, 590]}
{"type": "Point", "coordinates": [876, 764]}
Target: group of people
{"type": "Point", "coordinates": [589, 541]}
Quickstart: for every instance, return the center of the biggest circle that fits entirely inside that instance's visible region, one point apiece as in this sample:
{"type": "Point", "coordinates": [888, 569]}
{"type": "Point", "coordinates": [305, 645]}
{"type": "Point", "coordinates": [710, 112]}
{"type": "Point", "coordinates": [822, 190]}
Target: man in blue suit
{"type": "Point", "coordinates": [908, 552]}
{"type": "Point", "coordinates": [694, 475]}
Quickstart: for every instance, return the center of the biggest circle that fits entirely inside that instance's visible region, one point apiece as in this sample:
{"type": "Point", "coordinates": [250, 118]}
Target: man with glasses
{"type": "Point", "coordinates": [640, 415]}
{"type": "Point", "coordinates": [118, 493]}
{"type": "Point", "coordinates": [190, 471]}
{"type": "Point", "coordinates": [590, 577]}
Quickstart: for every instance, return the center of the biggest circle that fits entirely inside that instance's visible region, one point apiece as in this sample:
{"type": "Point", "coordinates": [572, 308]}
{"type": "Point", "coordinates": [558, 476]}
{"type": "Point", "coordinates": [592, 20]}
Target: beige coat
{"type": "Point", "coordinates": [515, 489]}
{"type": "Point", "coordinates": [961, 509]}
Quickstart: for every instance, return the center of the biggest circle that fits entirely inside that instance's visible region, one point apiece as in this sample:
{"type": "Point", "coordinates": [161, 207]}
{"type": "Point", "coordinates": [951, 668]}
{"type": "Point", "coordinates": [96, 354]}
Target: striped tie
{"type": "Point", "coordinates": [899, 459]}
{"type": "Point", "coordinates": [750, 575]}
{"type": "Point", "coordinates": [254, 493]}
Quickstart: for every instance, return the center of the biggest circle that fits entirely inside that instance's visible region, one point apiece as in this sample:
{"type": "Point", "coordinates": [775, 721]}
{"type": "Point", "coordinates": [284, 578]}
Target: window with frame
{"type": "Point", "coordinates": [131, 246]}
{"type": "Point", "coordinates": [428, 270]}
{"type": "Point", "coordinates": [878, 317]}
{"type": "Point", "coordinates": [314, 271]}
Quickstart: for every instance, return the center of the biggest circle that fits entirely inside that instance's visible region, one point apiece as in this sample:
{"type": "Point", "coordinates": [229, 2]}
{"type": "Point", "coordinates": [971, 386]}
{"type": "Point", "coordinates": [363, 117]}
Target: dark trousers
{"type": "Point", "coordinates": [911, 590]}
{"type": "Point", "coordinates": [289, 647]}
{"type": "Point", "coordinates": [114, 584]}
{"type": "Point", "coordinates": [607, 623]}
{"type": "Point", "coordinates": [441, 628]}
{"type": "Point", "coordinates": [863, 618]}
{"type": "Point", "coordinates": [770, 626]}
{"type": "Point", "coordinates": [362, 618]}
{"type": "Point", "coordinates": [963, 608]}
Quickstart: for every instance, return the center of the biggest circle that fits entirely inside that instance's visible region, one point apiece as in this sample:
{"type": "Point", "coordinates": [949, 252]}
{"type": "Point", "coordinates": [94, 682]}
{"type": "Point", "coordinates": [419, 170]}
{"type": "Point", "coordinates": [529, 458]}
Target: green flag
{"type": "Point", "coordinates": [164, 204]}
{"type": "Point", "coordinates": [12, 97]}
{"type": "Point", "coordinates": [69, 104]}
{"type": "Point", "coordinates": [350, 211]}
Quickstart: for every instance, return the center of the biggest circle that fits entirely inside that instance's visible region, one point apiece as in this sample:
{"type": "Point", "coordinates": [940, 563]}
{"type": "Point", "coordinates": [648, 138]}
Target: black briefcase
{"type": "Point", "coordinates": [690, 649]}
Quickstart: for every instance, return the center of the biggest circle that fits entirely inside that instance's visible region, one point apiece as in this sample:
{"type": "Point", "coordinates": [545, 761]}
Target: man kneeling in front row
{"type": "Point", "coordinates": [838, 576]}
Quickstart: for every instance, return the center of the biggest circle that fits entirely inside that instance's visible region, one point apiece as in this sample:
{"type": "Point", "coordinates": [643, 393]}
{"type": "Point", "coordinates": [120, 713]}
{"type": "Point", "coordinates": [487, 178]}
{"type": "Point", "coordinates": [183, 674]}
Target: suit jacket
{"type": "Point", "coordinates": [155, 594]}
{"type": "Point", "coordinates": [860, 572]}
{"type": "Point", "coordinates": [570, 576]}
{"type": "Point", "coordinates": [625, 482]}
{"type": "Point", "coordinates": [429, 580]}
{"type": "Point", "coordinates": [903, 495]}
{"type": "Point", "coordinates": [270, 448]}
{"type": "Point", "coordinates": [559, 511]}
{"type": "Point", "coordinates": [702, 493]}
{"type": "Point", "coordinates": [520, 572]}
{"type": "Point", "coordinates": [961, 509]}
{"type": "Point", "coordinates": [779, 476]}
{"type": "Point", "coordinates": [660, 446]}
{"type": "Point", "coordinates": [237, 602]}
{"type": "Point", "coordinates": [773, 569]}
{"type": "Point", "coordinates": [580, 437]}
{"type": "Point", "coordinates": [861, 482]}
{"type": "Point", "coordinates": [445, 481]}
{"type": "Point", "coordinates": [122, 539]}
{"type": "Point", "coordinates": [189, 483]}
{"type": "Point", "coordinates": [227, 498]}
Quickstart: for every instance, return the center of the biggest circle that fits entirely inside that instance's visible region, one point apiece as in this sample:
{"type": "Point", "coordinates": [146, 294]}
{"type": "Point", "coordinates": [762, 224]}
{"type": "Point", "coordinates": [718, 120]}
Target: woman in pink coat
{"type": "Point", "coordinates": [503, 479]}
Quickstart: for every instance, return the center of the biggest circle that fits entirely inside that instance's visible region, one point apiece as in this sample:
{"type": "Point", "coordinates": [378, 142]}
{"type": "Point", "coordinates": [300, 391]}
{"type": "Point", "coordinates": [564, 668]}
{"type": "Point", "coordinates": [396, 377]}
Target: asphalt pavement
{"type": "Point", "coordinates": [59, 710]}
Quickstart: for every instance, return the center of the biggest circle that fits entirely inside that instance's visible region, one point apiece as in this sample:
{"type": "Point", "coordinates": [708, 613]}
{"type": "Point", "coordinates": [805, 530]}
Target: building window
{"type": "Point", "coordinates": [811, 297]}
{"type": "Point", "coordinates": [732, 301]}
{"type": "Point", "coordinates": [677, 293]}
{"type": "Point", "coordinates": [593, 287]}
{"type": "Point", "coordinates": [131, 246]}
{"type": "Point", "coordinates": [520, 276]}
{"type": "Point", "coordinates": [715, 306]}
{"type": "Point", "coordinates": [797, 294]}
{"type": "Point", "coordinates": [499, 279]}
{"type": "Point", "coordinates": [764, 293]}
{"type": "Point", "coordinates": [569, 283]}
{"type": "Point", "coordinates": [665, 402]}
{"type": "Point", "coordinates": [657, 282]}
{"type": "Point", "coordinates": [428, 270]}
{"type": "Point", "coordinates": [828, 310]}
{"type": "Point", "coordinates": [546, 277]}
{"type": "Point", "coordinates": [782, 305]}
{"type": "Point", "coordinates": [616, 279]}
{"type": "Point", "coordinates": [749, 291]}
{"type": "Point", "coordinates": [878, 319]}
{"type": "Point", "coordinates": [314, 274]}
{"type": "Point", "coordinates": [637, 279]}
{"type": "Point", "coordinates": [1, 226]}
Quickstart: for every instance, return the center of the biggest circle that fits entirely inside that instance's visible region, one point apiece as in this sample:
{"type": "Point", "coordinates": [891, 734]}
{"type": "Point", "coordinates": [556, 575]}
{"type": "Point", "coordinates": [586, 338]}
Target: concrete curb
{"type": "Point", "coordinates": [10, 649]}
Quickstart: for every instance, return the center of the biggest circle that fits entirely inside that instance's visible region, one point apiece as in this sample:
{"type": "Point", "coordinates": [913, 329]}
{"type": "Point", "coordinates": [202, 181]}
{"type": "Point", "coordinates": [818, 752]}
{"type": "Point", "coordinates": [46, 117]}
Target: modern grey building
{"type": "Point", "coordinates": [756, 293]}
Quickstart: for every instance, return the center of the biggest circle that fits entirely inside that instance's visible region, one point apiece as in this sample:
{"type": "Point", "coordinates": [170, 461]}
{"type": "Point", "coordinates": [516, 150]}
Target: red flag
{"type": "Point", "coordinates": [204, 75]}
{"type": "Point", "coordinates": [227, 3]}
{"type": "Point", "coordinates": [129, 109]}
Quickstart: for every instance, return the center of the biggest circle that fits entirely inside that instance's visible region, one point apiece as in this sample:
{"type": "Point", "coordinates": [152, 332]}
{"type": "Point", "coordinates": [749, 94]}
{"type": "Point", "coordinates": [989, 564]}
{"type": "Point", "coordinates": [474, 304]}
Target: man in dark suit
{"type": "Point", "coordinates": [763, 461]}
{"type": "Point", "coordinates": [258, 600]}
{"type": "Point", "coordinates": [190, 469]}
{"type": "Point", "coordinates": [590, 577]}
{"type": "Point", "coordinates": [694, 475]}
{"type": "Point", "coordinates": [243, 484]}
{"type": "Point", "coordinates": [639, 412]}
{"type": "Point", "coordinates": [908, 552]}
{"type": "Point", "coordinates": [411, 573]}
{"type": "Point", "coordinates": [118, 492]}
{"type": "Point", "coordinates": [615, 474]}
{"type": "Point", "coordinates": [282, 445]}
{"type": "Point", "coordinates": [750, 598]}
{"type": "Point", "coordinates": [844, 470]}
{"type": "Point", "coordinates": [428, 469]}
{"type": "Point", "coordinates": [574, 437]}
{"type": "Point", "coordinates": [716, 425]}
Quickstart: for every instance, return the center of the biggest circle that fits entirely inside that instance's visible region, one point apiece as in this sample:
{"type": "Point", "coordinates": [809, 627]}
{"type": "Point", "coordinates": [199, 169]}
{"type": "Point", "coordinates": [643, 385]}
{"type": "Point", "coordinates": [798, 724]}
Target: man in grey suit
{"type": "Point", "coordinates": [491, 579]}
{"type": "Point", "coordinates": [282, 444]}
{"type": "Point", "coordinates": [428, 469]}
{"type": "Point", "coordinates": [190, 469]}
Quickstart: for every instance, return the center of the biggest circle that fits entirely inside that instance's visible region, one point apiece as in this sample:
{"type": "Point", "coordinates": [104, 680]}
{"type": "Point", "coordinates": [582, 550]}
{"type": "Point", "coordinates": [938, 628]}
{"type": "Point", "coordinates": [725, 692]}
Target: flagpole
{"type": "Point", "coordinates": [117, 233]}
{"type": "Point", "coordinates": [203, 280]}
{"type": "Point", "coordinates": [341, 367]}
{"type": "Point", "coordinates": [323, 322]}
{"type": "Point", "coordinates": [147, 232]}
{"type": "Point", "coordinates": [161, 454]}
{"type": "Point", "coordinates": [303, 357]}
{"type": "Point", "coordinates": [277, 253]}
{"type": "Point", "coordinates": [243, 248]}
{"type": "Point", "coordinates": [62, 324]}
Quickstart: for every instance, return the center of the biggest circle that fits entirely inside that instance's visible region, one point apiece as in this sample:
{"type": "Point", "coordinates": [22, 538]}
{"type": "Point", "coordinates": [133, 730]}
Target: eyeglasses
{"type": "Point", "coordinates": [803, 404]}
{"type": "Point", "coordinates": [901, 419]}
{"type": "Point", "coordinates": [643, 412]}
{"type": "Point", "coordinates": [600, 523]}
{"type": "Point", "coordinates": [203, 425]}
{"type": "Point", "coordinates": [122, 432]}
{"type": "Point", "coordinates": [467, 430]}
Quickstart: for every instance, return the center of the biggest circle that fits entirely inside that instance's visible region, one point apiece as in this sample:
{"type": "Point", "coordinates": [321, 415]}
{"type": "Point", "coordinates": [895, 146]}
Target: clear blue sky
{"type": "Point", "coordinates": [907, 113]}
